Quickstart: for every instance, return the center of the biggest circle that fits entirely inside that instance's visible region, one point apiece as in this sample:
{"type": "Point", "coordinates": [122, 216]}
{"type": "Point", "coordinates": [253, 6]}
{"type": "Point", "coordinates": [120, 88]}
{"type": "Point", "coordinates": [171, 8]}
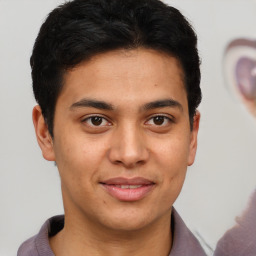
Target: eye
{"type": "Point", "coordinates": [96, 121]}
{"type": "Point", "coordinates": [159, 120]}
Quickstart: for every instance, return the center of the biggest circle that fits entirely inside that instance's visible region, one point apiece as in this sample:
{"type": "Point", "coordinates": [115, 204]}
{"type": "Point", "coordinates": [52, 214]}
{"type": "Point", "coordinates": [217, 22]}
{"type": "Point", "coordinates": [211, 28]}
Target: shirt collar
{"type": "Point", "coordinates": [184, 242]}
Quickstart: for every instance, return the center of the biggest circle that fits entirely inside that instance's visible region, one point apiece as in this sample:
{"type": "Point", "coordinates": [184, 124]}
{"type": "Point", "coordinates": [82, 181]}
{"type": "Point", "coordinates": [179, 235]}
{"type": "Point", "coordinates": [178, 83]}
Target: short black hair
{"type": "Point", "coordinates": [77, 30]}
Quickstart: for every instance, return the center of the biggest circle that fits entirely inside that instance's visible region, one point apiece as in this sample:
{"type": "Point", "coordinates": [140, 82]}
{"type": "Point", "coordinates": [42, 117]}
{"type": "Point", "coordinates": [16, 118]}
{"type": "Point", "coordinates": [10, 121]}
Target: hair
{"type": "Point", "coordinates": [80, 29]}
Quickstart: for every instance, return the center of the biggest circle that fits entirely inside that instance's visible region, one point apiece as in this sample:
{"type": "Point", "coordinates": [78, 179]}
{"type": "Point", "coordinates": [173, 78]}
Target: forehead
{"type": "Point", "coordinates": [127, 75]}
{"type": "Point", "coordinates": [112, 62]}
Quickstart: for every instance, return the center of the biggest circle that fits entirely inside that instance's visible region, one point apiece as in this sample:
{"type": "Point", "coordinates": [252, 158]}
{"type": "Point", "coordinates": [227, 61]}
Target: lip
{"type": "Point", "coordinates": [119, 188]}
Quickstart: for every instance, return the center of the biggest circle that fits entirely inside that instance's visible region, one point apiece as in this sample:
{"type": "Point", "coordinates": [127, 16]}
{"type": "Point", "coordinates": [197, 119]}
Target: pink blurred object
{"type": "Point", "coordinates": [240, 71]}
{"type": "Point", "coordinates": [246, 77]}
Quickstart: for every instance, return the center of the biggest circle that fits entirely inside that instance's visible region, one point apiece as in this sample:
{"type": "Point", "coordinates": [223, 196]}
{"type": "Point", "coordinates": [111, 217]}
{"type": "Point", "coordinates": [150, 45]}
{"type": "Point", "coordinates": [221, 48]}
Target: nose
{"type": "Point", "coordinates": [128, 147]}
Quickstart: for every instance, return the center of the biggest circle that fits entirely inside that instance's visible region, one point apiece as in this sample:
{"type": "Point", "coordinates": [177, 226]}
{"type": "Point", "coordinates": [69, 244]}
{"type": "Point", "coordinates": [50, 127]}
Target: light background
{"type": "Point", "coordinates": [217, 186]}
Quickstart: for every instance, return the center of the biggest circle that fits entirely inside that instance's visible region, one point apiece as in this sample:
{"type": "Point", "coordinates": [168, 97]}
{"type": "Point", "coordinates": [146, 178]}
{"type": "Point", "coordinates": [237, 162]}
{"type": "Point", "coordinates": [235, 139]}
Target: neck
{"type": "Point", "coordinates": [85, 238]}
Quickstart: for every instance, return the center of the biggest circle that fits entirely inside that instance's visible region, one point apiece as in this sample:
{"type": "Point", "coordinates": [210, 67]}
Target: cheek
{"type": "Point", "coordinates": [78, 163]}
{"type": "Point", "coordinates": [78, 158]}
{"type": "Point", "coordinates": [173, 154]}
{"type": "Point", "coordinates": [172, 159]}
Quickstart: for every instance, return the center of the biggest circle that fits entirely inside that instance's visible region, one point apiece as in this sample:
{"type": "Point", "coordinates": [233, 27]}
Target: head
{"type": "Point", "coordinates": [78, 30]}
{"type": "Point", "coordinates": [117, 82]}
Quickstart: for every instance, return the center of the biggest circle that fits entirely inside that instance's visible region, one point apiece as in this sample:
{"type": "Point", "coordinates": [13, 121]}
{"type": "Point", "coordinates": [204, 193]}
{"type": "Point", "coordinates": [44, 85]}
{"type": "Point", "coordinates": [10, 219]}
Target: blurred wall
{"type": "Point", "coordinates": [217, 186]}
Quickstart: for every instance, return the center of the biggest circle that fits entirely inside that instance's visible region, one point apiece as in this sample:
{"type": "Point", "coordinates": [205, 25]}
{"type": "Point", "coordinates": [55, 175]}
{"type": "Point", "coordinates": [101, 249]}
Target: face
{"type": "Point", "coordinates": [122, 139]}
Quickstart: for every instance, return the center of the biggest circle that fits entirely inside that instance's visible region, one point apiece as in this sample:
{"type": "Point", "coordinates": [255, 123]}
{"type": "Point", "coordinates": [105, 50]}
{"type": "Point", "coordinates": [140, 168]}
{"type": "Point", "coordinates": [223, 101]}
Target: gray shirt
{"type": "Point", "coordinates": [184, 242]}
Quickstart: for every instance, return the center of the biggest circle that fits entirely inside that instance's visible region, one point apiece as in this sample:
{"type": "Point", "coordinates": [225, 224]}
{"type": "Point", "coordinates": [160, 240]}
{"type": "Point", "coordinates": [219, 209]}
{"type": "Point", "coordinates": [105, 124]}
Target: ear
{"type": "Point", "coordinates": [193, 139]}
{"type": "Point", "coordinates": [43, 136]}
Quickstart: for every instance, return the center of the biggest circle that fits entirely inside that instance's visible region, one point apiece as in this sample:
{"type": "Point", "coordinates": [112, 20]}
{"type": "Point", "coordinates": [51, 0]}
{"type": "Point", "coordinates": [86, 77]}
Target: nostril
{"type": "Point", "coordinates": [118, 162]}
{"type": "Point", "coordinates": [245, 72]}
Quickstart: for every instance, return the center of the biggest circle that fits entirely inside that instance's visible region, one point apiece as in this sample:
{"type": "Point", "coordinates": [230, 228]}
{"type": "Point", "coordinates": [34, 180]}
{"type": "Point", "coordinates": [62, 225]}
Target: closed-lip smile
{"type": "Point", "coordinates": [128, 189]}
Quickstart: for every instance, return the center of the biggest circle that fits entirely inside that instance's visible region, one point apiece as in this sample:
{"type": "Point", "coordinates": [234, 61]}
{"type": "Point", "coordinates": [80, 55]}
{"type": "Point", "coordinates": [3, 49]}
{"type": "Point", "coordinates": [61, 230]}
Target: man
{"type": "Point", "coordinates": [117, 83]}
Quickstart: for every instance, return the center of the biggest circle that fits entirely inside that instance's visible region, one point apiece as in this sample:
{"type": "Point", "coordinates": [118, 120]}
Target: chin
{"type": "Point", "coordinates": [128, 221]}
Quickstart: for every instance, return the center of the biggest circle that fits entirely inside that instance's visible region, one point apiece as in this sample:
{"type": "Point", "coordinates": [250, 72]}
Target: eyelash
{"type": "Point", "coordinates": [106, 122]}
{"type": "Point", "coordinates": [166, 119]}
{"type": "Point", "coordinates": [89, 119]}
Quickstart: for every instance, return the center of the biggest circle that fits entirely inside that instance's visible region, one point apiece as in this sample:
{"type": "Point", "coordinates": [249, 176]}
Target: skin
{"type": "Point", "coordinates": [129, 141]}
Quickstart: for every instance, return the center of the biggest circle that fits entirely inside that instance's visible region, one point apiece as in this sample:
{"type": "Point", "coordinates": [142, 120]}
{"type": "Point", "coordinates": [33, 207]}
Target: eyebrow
{"type": "Point", "coordinates": [162, 104]}
{"type": "Point", "coordinates": [92, 103]}
{"type": "Point", "coordinates": [106, 106]}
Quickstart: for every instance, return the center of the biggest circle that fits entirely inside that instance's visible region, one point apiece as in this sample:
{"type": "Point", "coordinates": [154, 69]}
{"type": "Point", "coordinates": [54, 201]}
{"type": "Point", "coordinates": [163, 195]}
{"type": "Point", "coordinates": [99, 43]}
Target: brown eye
{"type": "Point", "coordinates": [96, 120]}
{"type": "Point", "coordinates": [159, 120]}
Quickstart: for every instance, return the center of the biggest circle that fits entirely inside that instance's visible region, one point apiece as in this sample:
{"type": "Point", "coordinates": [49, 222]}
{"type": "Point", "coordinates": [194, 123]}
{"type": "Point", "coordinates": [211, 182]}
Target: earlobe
{"type": "Point", "coordinates": [43, 136]}
{"type": "Point", "coordinates": [193, 139]}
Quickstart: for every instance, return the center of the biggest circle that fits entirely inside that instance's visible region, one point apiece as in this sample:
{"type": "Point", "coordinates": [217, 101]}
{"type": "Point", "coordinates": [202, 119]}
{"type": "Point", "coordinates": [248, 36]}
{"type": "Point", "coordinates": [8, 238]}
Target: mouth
{"type": "Point", "coordinates": [129, 190]}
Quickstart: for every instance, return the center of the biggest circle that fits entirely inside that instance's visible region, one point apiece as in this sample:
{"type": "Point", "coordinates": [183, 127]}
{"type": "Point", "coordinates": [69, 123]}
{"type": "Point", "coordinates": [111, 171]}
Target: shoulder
{"type": "Point", "coordinates": [38, 245]}
{"type": "Point", "coordinates": [184, 242]}
{"type": "Point", "coordinates": [28, 248]}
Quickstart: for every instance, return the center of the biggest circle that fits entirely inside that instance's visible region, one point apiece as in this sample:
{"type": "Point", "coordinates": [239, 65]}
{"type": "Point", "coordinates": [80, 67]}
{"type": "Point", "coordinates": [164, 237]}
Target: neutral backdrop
{"type": "Point", "coordinates": [217, 186]}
